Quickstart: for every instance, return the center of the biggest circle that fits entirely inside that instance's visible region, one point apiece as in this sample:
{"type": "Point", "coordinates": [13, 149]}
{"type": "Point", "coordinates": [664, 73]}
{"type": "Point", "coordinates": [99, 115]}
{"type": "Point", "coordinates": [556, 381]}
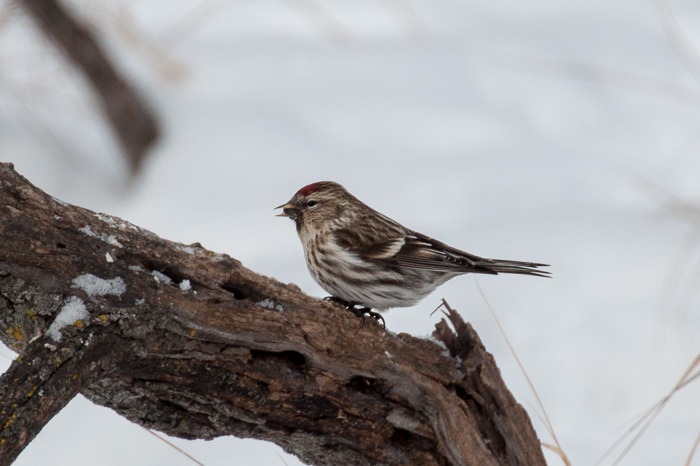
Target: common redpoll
{"type": "Point", "coordinates": [362, 257]}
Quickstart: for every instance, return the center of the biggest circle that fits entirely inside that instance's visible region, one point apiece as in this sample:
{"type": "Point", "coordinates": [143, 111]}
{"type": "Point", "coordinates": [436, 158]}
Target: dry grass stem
{"type": "Point", "coordinates": [172, 445]}
{"type": "Point", "coordinates": [547, 423]}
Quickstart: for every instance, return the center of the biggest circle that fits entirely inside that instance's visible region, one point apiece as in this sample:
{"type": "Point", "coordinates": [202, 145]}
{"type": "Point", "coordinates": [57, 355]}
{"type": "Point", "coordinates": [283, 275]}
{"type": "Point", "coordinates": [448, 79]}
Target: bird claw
{"type": "Point", "coordinates": [358, 311]}
{"type": "Point", "coordinates": [367, 312]}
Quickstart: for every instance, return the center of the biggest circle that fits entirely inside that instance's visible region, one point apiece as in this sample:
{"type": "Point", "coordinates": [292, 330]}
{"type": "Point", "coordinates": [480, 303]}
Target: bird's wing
{"type": "Point", "coordinates": [418, 251]}
{"type": "Point", "coordinates": [412, 251]}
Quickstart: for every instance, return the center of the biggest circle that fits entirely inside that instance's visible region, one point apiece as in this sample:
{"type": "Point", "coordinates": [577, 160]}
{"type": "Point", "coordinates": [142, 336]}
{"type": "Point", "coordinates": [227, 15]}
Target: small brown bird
{"type": "Point", "coordinates": [362, 257]}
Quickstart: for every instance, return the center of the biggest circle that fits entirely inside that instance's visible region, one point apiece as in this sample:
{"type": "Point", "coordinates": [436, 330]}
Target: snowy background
{"type": "Point", "coordinates": [559, 132]}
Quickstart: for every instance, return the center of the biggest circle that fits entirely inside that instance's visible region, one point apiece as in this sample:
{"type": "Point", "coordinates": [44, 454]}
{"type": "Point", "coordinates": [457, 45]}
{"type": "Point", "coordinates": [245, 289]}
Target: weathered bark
{"type": "Point", "coordinates": [130, 117]}
{"type": "Point", "coordinates": [238, 354]}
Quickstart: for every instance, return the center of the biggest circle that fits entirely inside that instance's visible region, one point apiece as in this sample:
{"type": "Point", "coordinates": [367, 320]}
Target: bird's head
{"type": "Point", "coordinates": [317, 204]}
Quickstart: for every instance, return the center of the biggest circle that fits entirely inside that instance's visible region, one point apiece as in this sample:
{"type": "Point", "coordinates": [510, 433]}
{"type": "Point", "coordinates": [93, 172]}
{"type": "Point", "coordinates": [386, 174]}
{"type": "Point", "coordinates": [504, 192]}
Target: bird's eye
{"type": "Point", "coordinates": [311, 203]}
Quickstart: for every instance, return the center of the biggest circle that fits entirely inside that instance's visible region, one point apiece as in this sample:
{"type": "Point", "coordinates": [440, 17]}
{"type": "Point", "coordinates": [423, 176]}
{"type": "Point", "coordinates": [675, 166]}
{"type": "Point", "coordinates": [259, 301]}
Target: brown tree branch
{"type": "Point", "coordinates": [131, 119]}
{"type": "Point", "coordinates": [237, 354]}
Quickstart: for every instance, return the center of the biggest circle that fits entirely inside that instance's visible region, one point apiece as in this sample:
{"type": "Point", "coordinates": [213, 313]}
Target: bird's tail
{"type": "Point", "coordinates": [497, 266]}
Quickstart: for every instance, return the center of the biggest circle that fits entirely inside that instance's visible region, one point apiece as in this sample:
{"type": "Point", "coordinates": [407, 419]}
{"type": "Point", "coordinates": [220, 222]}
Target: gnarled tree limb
{"type": "Point", "coordinates": [236, 354]}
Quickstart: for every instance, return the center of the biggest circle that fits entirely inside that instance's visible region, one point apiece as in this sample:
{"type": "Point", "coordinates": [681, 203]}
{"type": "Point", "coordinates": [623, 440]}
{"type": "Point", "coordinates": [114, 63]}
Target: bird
{"type": "Point", "coordinates": [363, 258]}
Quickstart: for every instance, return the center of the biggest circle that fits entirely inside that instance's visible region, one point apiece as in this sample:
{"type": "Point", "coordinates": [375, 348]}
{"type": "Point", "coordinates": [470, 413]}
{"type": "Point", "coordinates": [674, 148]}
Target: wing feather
{"type": "Point", "coordinates": [421, 252]}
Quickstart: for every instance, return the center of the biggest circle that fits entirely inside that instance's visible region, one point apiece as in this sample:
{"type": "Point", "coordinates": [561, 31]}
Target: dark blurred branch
{"type": "Point", "coordinates": [131, 119]}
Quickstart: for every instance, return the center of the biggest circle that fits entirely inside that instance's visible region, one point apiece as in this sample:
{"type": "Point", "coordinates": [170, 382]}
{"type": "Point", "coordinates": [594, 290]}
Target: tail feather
{"type": "Point", "coordinates": [516, 267]}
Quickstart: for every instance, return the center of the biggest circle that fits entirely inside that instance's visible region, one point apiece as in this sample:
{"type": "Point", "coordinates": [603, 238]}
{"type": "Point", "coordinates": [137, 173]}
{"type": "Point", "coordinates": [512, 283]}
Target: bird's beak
{"type": "Point", "coordinates": [284, 207]}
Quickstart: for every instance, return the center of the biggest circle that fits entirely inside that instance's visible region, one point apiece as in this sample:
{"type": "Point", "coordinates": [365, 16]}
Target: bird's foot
{"type": "Point", "coordinates": [358, 311]}
{"type": "Point", "coordinates": [368, 312]}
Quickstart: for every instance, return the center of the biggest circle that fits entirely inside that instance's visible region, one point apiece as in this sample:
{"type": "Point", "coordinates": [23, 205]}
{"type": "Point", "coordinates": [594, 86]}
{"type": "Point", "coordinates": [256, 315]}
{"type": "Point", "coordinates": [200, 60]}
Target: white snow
{"type": "Point", "coordinates": [270, 304]}
{"type": "Point", "coordinates": [96, 286]}
{"type": "Point", "coordinates": [107, 238]}
{"type": "Point", "coordinates": [108, 219]}
{"type": "Point", "coordinates": [161, 277]}
{"type": "Point", "coordinates": [186, 249]}
{"type": "Point", "coordinates": [109, 258]}
{"type": "Point", "coordinates": [72, 311]}
{"type": "Point", "coordinates": [267, 303]}
{"type": "Point", "coordinates": [87, 231]}
{"type": "Point", "coordinates": [110, 239]}
{"type": "Point", "coordinates": [59, 201]}
{"type": "Point", "coordinates": [185, 285]}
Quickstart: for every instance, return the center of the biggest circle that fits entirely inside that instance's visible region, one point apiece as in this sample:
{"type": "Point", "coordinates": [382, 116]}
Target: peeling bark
{"type": "Point", "coordinates": [237, 354]}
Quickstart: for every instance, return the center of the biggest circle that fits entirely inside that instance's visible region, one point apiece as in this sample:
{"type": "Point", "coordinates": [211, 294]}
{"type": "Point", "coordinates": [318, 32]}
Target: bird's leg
{"type": "Point", "coordinates": [359, 312]}
{"type": "Point", "coordinates": [342, 302]}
